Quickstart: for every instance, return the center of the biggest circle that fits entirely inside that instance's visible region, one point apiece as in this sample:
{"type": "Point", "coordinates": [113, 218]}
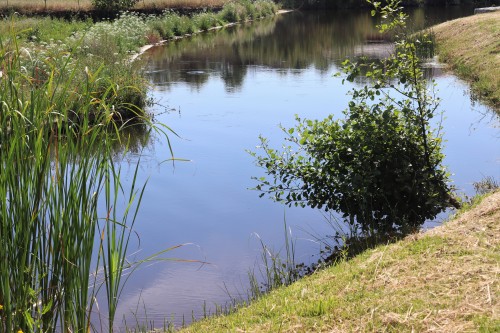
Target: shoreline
{"type": "Point", "coordinates": [443, 279]}
{"type": "Point", "coordinates": [144, 48]}
{"type": "Point", "coordinates": [469, 46]}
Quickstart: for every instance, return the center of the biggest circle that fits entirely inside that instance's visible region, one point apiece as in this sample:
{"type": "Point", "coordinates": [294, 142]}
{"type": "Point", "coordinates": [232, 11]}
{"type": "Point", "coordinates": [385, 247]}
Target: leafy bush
{"type": "Point", "coordinates": [128, 32]}
{"type": "Point", "coordinates": [234, 11]}
{"type": "Point", "coordinates": [382, 165]}
{"type": "Point", "coordinates": [265, 8]}
{"type": "Point", "coordinates": [205, 21]}
{"type": "Point", "coordinates": [114, 5]}
{"type": "Point", "coordinates": [163, 25]}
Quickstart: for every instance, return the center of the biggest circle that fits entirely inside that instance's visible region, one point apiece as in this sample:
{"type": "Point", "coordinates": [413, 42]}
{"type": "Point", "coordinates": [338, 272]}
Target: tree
{"type": "Point", "coordinates": [114, 5]}
{"type": "Point", "coordinates": [381, 166]}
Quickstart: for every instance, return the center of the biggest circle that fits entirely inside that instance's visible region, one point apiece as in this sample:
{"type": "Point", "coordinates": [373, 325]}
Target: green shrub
{"type": "Point", "coordinates": [233, 11]}
{"type": "Point", "coordinates": [181, 24]}
{"type": "Point", "coordinates": [163, 25]}
{"type": "Point", "coordinates": [381, 166]}
{"type": "Point", "coordinates": [205, 21]}
{"type": "Point", "coordinates": [265, 8]}
{"type": "Point", "coordinates": [114, 5]}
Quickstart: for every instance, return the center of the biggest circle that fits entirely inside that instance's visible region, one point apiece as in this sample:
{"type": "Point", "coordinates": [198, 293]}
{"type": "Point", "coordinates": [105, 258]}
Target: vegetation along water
{"type": "Point", "coordinates": [73, 103]}
{"type": "Point", "coordinates": [470, 45]}
{"type": "Point", "coordinates": [65, 217]}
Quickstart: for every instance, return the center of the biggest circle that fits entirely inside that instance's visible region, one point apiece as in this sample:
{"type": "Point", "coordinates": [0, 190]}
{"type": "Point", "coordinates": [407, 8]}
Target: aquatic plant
{"type": "Point", "coordinates": [63, 235]}
{"type": "Point", "coordinates": [275, 269]}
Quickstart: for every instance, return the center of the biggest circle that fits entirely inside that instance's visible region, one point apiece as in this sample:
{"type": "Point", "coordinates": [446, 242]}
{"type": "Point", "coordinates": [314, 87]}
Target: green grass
{"type": "Point", "coordinates": [66, 219]}
{"type": "Point", "coordinates": [445, 278]}
{"type": "Point", "coordinates": [471, 46]}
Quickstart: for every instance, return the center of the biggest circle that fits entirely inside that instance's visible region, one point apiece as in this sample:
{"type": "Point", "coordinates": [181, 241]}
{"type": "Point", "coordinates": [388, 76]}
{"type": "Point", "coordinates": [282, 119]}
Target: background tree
{"type": "Point", "coordinates": [114, 5]}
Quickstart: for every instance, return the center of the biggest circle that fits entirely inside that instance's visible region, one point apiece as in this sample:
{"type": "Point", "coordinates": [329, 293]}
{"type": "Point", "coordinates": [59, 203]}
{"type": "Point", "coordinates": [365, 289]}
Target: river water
{"type": "Point", "coordinates": [219, 91]}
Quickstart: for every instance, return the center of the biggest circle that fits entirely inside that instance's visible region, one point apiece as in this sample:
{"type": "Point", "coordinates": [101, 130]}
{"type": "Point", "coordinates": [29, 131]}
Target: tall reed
{"type": "Point", "coordinates": [276, 269]}
{"type": "Point", "coordinates": [60, 225]}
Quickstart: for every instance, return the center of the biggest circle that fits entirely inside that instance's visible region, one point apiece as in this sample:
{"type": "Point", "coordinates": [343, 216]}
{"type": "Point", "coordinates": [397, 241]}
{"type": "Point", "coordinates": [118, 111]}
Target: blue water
{"type": "Point", "coordinates": [220, 94]}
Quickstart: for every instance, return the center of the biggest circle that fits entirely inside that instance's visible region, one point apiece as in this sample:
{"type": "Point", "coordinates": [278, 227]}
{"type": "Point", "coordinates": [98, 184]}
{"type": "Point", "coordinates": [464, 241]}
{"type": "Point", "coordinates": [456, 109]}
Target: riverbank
{"type": "Point", "coordinates": [146, 47]}
{"type": "Point", "coordinates": [81, 48]}
{"type": "Point", "coordinates": [471, 46]}
{"type": "Point", "coordinates": [445, 280]}
{"type": "Point", "coordinates": [85, 8]}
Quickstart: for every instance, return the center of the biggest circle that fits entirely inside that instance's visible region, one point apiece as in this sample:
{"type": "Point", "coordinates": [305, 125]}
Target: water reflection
{"type": "Point", "coordinates": [293, 41]}
{"type": "Point", "coordinates": [228, 87]}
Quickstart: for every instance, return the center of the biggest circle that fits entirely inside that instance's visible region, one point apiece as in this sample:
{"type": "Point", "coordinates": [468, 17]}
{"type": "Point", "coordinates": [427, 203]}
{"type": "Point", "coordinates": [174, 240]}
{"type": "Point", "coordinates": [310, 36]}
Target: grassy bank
{"type": "Point", "coordinates": [442, 280]}
{"type": "Point", "coordinates": [86, 5]}
{"type": "Point", "coordinates": [75, 48]}
{"type": "Point", "coordinates": [471, 45]}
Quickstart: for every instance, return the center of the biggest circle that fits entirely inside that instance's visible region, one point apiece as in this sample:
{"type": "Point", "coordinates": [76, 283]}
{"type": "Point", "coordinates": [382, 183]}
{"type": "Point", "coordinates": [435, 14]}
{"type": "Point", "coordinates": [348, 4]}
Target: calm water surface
{"type": "Point", "coordinates": [219, 92]}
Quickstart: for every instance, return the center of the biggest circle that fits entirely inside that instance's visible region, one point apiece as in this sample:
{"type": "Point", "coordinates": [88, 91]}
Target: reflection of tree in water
{"type": "Point", "coordinates": [287, 43]}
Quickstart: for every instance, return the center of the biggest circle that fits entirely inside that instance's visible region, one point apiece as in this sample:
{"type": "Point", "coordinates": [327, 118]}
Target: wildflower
{"type": "Point", "coordinates": [1, 306]}
{"type": "Point", "coordinates": [20, 331]}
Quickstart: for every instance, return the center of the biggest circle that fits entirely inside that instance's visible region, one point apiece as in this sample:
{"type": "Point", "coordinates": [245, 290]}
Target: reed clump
{"type": "Point", "coordinates": [62, 234]}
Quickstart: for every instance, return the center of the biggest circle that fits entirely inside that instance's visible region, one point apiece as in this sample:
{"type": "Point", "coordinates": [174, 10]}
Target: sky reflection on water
{"type": "Point", "coordinates": [223, 90]}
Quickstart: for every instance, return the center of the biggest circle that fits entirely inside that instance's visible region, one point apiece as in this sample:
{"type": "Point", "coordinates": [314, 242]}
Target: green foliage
{"type": "Point", "coordinates": [63, 236]}
{"type": "Point", "coordinates": [114, 5]}
{"type": "Point", "coordinates": [381, 166]}
{"type": "Point", "coordinates": [172, 24]}
{"type": "Point", "coordinates": [240, 10]}
{"type": "Point", "coordinates": [54, 170]}
{"type": "Point", "coordinates": [235, 11]}
{"type": "Point", "coordinates": [264, 8]}
{"type": "Point", "coordinates": [205, 21]}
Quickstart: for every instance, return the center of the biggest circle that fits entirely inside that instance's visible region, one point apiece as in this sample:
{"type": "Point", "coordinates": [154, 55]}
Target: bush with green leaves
{"type": "Point", "coordinates": [265, 8]}
{"type": "Point", "coordinates": [382, 165]}
{"type": "Point", "coordinates": [114, 5]}
{"type": "Point", "coordinates": [234, 11]}
{"type": "Point", "coordinates": [205, 21]}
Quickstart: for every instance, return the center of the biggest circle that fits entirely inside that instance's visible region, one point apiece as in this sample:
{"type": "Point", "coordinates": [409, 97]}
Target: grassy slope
{"type": "Point", "coordinates": [444, 280]}
{"type": "Point", "coordinates": [472, 46]}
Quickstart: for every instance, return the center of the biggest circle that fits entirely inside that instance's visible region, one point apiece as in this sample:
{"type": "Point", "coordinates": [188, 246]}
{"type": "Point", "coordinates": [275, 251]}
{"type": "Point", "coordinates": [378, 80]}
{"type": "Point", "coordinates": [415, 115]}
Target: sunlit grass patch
{"type": "Point", "coordinates": [446, 278]}
{"type": "Point", "coordinates": [470, 45]}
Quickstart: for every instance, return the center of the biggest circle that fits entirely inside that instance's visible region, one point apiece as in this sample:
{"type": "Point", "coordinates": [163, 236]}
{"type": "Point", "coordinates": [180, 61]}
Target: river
{"type": "Point", "coordinates": [219, 91]}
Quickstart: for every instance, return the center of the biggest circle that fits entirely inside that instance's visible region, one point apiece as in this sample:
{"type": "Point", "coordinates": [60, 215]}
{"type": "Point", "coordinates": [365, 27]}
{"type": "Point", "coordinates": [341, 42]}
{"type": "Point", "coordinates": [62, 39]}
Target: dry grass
{"type": "Point", "coordinates": [444, 280]}
{"type": "Point", "coordinates": [472, 46]}
{"type": "Point", "coordinates": [59, 5]}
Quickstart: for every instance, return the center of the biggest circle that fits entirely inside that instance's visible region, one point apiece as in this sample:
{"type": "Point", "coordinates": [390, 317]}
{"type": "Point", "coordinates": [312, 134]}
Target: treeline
{"type": "Point", "coordinates": [331, 4]}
